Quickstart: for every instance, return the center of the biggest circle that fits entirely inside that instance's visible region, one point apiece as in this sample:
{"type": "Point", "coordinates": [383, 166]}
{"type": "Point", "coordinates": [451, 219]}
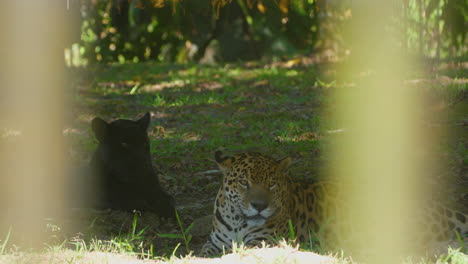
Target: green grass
{"type": "Point", "coordinates": [184, 234]}
{"type": "Point", "coordinates": [5, 241]}
{"type": "Point", "coordinates": [246, 113]}
{"type": "Point", "coordinates": [198, 109]}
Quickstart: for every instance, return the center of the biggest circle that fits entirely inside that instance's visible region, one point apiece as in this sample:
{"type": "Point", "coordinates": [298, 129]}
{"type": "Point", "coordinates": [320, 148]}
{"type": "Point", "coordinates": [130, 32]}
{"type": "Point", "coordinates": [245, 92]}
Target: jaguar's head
{"type": "Point", "coordinates": [124, 147]}
{"type": "Point", "coordinates": [254, 183]}
{"type": "Point", "coordinates": [123, 163]}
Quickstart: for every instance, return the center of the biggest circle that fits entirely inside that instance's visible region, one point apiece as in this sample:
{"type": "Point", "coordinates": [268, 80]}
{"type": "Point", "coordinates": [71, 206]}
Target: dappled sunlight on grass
{"type": "Point", "coordinates": [196, 110]}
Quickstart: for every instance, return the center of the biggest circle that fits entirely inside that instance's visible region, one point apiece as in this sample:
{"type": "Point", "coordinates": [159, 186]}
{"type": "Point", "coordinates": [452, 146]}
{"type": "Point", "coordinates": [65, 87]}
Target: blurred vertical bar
{"type": "Point", "coordinates": [33, 37]}
{"type": "Point", "coordinates": [377, 158]}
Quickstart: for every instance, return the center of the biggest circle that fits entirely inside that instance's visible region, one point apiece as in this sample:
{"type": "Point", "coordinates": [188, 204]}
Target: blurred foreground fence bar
{"type": "Point", "coordinates": [377, 160]}
{"type": "Point", "coordinates": [32, 163]}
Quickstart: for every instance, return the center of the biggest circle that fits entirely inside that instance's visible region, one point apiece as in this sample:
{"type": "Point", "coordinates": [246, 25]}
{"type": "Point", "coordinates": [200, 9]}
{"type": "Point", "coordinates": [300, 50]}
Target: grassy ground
{"type": "Point", "coordinates": [282, 109]}
{"type": "Point", "coordinates": [196, 110]}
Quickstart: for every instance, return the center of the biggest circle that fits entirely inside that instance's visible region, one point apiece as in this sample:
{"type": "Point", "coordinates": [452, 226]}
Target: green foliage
{"type": "Point", "coordinates": [132, 241]}
{"type": "Point", "coordinates": [184, 234]}
{"type": "Point", "coordinates": [5, 242]}
{"type": "Point", "coordinates": [461, 243]}
{"type": "Point", "coordinates": [135, 31]}
{"type": "Point", "coordinates": [292, 234]}
{"type": "Point", "coordinates": [437, 27]}
{"type": "Point", "coordinates": [183, 31]}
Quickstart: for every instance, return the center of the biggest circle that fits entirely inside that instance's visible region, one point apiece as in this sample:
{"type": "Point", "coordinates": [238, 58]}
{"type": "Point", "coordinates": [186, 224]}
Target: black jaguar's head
{"type": "Point", "coordinates": [124, 147]}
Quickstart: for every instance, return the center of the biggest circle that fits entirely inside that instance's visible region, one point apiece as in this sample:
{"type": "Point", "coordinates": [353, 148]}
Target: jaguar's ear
{"type": "Point", "coordinates": [283, 164]}
{"type": "Point", "coordinates": [100, 129]}
{"type": "Point", "coordinates": [224, 161]}
{"type": "Point", "coordinates": [144, 121]}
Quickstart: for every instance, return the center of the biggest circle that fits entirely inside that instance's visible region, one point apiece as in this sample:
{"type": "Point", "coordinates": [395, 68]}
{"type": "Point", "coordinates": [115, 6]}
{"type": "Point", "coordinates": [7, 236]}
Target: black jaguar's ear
{"type": "Point", "coordinates": [100, 129]}
{"type": "Point", "coordinates": [283, 164]}
{"type": "Point", "coordinates": [144, 121]}
{"type": "Point", "coordinates": [224, 161]}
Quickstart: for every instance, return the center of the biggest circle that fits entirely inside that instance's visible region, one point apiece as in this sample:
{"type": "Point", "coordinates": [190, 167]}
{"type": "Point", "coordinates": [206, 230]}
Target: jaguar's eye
{"type": "Point", "coordinates": [244, 183]}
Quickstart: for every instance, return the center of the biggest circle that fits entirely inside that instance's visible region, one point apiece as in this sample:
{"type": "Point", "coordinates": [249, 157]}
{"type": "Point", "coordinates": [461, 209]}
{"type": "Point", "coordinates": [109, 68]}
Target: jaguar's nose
{"type": "Point", "coordinates": [260, 205]}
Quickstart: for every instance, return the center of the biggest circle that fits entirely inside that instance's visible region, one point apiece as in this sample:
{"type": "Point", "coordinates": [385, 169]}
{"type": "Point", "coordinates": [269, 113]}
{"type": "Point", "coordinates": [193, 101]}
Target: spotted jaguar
{"type": "Point", "coordinates": [258, 202]}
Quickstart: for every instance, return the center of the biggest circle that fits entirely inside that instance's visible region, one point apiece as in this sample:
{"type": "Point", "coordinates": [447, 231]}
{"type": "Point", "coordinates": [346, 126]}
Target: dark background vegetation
{"type": "Point", "coordinates": [235, 30]}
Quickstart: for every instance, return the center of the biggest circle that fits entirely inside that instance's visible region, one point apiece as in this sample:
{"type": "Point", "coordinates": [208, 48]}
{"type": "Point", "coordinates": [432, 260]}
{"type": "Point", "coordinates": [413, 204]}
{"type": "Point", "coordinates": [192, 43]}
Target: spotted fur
{"type": "Point", "coordinates": [257, 199]}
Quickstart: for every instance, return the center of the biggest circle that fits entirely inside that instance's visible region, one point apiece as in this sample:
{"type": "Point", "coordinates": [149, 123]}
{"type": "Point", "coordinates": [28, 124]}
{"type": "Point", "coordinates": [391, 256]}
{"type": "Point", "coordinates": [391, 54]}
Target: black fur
{"type": "Point", "coordinates": [122, 167]}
